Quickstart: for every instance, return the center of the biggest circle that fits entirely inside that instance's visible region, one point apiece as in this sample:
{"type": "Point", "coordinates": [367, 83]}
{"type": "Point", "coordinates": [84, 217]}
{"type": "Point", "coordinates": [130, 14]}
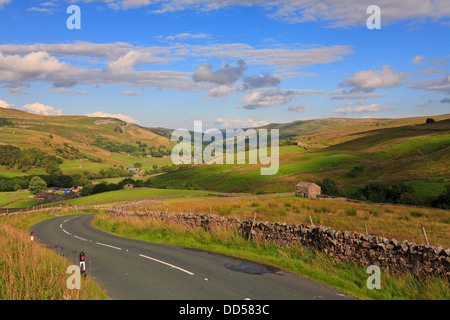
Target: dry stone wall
{"type": "Point", "coordinates": [362, 249]}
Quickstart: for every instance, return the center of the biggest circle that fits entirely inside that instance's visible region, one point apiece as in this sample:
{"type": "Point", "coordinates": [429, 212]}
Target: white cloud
{"type": "Point", "coordinates": [342, 13]}
{"type": "Point", "coordinates": [68, 91]}
{"type": "Point", "coordinates": [362, 109]}
{"type": "Point", "coordinates": [133, 58]}
{"type": "Point", "coordinates": [269, 97]}
{"type": "Point", "coordinates": [134, 3]}
{"type": "Point", "coordinates": [44, 9]}
{"type": "Point", "coordinates": [187, 35]}
{"type": "Point", "coordinates": [345, 13]}
{"type": "Point", "coordinates": [430, 71]}
{"type": "Point", "coordinates": [297, 107]}
{"type": "Point", "coordinates": [224, 75]}
{"type": "Point", "coordinates": [101, 114]}
{"type": "Point", "coordinates": [438, 62]}
{"type": "Point", "coordinates": [284, 57]}
{"type": "Point", "coordinates": [418, 59]}
{"type": "Point", "coordinates": [33, 66]}
{"type": "Point", "coordinates": [342, 95]}
{"type": "Point", "coordinates": [238, 123]}
{"type": "Point", "coordinates": [48, 4]}
{"type": "Point", "coordinates": [350, 103]}
{"type": "Point", "coordinates": [22, 62]}
{"type": "Point", "coordinates": [3, 2]}
{"type": "Point", "coordinates": [220, 92]}
{"type": "Point", "coordinates": [260, 81]}
{"type": "Point", "coordinates": [369, 80]}
{"type": "Point", "coordinates": [441, 84]}
{"type": "Point", "coordinates": [123, 64]}
{"type": "Point", "coordinates": [14, 88]}
{"type": "Point", "coordinates": [43, 109]}
{"type": "Point", "coordinates": [130, 93]}
{"type": "Point", "coordinates": [6, 105]}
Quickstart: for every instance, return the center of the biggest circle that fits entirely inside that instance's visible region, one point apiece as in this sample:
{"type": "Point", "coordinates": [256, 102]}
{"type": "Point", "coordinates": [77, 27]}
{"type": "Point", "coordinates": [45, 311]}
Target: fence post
{"type": "Point", "coordinates": [425, 235]}
{"type": "Point", "coordinates": [251, 228]}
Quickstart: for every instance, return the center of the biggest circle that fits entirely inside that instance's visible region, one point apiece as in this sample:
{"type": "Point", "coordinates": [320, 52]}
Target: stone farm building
{"type": "Point", "coordinates": [128, 186]}
{"type": "Point", "coordinates": [307, 190]}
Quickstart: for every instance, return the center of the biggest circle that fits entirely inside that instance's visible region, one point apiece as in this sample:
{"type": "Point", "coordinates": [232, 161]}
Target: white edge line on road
{"type": "Point", "coordinates": [66, 232]}
{"type": "Point", "coordinates": [80, 238]}
{"type": "Point", "coordinates": [107, 245]}
{"type": "Point", "coordinates": [168, 264]}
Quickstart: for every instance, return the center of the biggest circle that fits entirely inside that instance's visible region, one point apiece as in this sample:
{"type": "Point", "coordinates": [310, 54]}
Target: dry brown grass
{"type": "Point", "coordinates": [391, 221]}
{"type": "Point", "coordinates": [29, 271]}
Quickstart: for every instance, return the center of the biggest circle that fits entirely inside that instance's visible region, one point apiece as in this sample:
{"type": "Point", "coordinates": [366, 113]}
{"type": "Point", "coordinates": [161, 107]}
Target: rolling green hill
{"type": "Point", "coordinates": [84, 143]}
{"type": "Point", "coordinates": [351, 152]}
{"type": "Point", "coordinates": [385, 150]}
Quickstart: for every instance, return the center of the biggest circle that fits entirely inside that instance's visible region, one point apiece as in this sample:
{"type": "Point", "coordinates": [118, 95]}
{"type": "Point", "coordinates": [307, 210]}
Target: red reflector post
{"type": "Point", "coordinates": [82, 264]}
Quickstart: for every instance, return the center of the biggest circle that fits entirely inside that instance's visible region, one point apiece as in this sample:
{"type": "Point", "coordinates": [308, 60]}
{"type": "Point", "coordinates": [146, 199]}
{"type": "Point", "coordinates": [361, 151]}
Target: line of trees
{"type": "Point", "coordinates": [443, 200]}
{"type": "Point", "coordinates": [14, 157]}
{"type": "Point", "coordinates": [103, 186]}
{"type": "Point", "coordinates": [138, 149]}
{"type": "Point", "coordinates": [397, 193]}
{"type": "Point", "coordinates": [52, 181]}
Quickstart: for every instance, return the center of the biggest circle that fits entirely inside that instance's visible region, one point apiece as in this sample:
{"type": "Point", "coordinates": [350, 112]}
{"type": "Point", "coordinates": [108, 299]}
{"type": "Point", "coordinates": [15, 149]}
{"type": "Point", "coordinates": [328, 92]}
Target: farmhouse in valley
{"type": "Point", "coordinates": [307, 190]}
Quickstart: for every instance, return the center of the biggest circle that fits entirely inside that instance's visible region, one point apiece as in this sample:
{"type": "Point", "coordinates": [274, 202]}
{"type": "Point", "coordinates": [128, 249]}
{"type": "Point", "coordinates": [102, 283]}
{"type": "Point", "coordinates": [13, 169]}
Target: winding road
{"type": "Point", "coordinates": [128, 269]}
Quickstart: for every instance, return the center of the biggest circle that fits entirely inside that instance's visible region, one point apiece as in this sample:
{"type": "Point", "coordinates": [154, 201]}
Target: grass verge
{"type": "Point", "coordinates": [346, 277]}
{"type": "Point", "coordinates": [29, 271]}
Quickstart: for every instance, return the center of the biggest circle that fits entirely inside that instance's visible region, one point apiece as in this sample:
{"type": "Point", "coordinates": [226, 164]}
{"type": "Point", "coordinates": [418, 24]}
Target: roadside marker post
{"type": "Point", "coordinates": [82, 264]}
{"type": "Point", "coordinates": [32, 236]}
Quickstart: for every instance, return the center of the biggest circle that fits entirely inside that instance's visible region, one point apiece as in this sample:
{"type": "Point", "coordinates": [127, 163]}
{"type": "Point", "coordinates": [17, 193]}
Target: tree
{"type": "Point", "coordinates": [443, 200]}
{"type": "Point", "coordinates": [397, 190]}
{"type": "Point", "coordinates": [375, 192]}
{"type": "Point", "coordinates": [329, 187]}
{"type": "Point", "coordinates": [138, 165]}
{"type": "Point", "coordinates": [429, 120]}
{"type": "Point", "coordinates": [52, 168]}
{"type": "Point", "coordinates": [37, 185]}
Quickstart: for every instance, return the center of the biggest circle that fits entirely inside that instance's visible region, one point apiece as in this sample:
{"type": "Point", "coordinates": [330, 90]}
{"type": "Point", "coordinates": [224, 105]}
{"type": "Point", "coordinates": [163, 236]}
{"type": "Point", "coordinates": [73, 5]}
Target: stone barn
{"type": "Point", "coordinates": [128, 186]}
{"type": "Point", "coordinates": [307, 190]}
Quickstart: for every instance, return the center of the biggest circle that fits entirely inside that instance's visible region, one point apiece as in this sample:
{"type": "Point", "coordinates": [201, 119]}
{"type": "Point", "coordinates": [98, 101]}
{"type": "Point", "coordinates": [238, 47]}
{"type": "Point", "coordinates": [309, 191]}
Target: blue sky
{"type": "Point", "coordinates": [230, 63]}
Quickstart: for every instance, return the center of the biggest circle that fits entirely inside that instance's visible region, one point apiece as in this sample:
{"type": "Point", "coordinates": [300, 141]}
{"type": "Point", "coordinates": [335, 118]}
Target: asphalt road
{"type": "Point", "coordinates": [130, 269]}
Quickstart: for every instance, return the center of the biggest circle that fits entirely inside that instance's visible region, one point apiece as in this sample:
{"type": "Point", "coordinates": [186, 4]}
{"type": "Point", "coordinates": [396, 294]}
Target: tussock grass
{"type": "Point", "coordinates": [390, 221]}
{"type": "Point", "coordinates": [29, 271]}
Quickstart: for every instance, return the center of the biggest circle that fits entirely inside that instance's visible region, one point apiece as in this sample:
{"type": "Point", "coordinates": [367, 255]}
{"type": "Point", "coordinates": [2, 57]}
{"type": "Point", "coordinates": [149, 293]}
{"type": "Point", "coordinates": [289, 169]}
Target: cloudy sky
{"type": "Point", "coordinates": [230, 63]}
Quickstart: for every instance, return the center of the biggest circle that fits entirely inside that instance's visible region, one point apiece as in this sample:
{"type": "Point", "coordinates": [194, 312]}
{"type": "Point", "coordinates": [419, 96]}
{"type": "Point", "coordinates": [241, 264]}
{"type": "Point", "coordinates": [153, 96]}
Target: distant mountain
{"type": "Point", "coordinates": [338, 126]}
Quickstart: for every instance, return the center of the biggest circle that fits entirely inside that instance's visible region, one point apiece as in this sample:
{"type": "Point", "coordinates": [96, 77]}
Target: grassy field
{"type": "Point", "coordinates": [17, 199]}
{"type": "Point", "coordinates": [86, 135]}
{"type": "Point", "coordinates": [387, 152]}
{"type": "Point", "coordinates": [24, 199]}
{"type": "Point", "coordinates": [389, 149]}
{"type": "Point", "coordinates": [29, 271]}
{"type": "Point", "coordinates": [137, 193]}
{"type": "Point", "coordinates": [390, 221]}
{"type": "Point", "coordinates": [346, 277]}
